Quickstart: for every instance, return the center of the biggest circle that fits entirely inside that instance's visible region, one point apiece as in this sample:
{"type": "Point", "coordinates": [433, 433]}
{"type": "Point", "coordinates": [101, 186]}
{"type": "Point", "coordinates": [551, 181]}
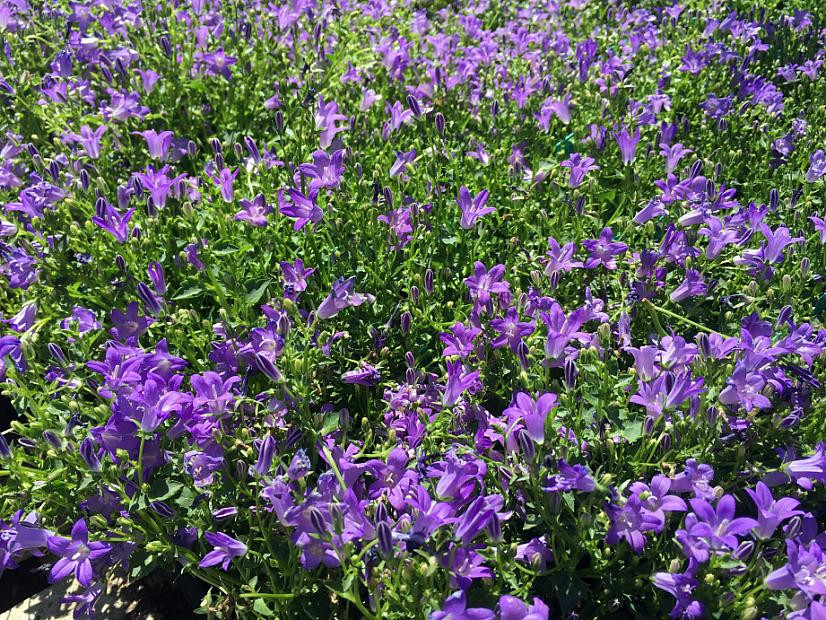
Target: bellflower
{"type": "Point", "coordinates": [342, 296]}
{"type": "Point", "coordinates": [627, 144]}
{"type": "Point", "coordinates": [459, 340]}
{"type": "Point", "coordinates": [511, 608]}
{"type": "Point", "coordinates": [88, 139]}
{"type": "Point", "coordinates": [681, 586]}
{"type": "Point", "coordinates": [300, 207]}
{"type": "Point", "coordinates": [817, 166]}
{"type": "Point", "coordinates": [771, 512]}
{"type": "Point", "coordinates": [603, 251]}
{"type": "Point", "coordinates": [455, 608]}
{"type": "Point", "coordinates": [580, 166]}
{"type": "Point", "coordinates": [484, 283]}
{"type": "Point", "coordinates": [225, 550]}
{"type": "Point", "coordinates": [693, 285]}
{"type": "Point", "coordinates": [157, 143]}
{"type": "Point", "coordinates": [473, 207]}
{"type": "Point", "coordinates": [254, 211]}
{"type": "Point", "coordinates": [76, 555]}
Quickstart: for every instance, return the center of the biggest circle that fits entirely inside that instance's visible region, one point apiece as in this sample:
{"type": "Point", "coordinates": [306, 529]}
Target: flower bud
{"type": "Point", "coordinates": [5, 450]}
{"type": "Point", "coordinates": [89, 454]}
{"type": "Point", "coordinates": [52, 439]}
{"type": "Point", "coordinates": [440, 123]}
{"type": "Point", "coordinates": [162, 509]}
{"type": "Point", "coordinates": [414, 106]}
{"type": "Point", "coordinates": [385, 537]}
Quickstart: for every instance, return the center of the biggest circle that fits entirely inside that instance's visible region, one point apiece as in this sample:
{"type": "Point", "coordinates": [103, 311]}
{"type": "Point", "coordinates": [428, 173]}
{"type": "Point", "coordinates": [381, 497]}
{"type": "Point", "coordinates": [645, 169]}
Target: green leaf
{"type": "Point", "coordinates": [256, 290]}
{"type": "Point", "coordinates": [186, 498]}
{"type": "Point", "coordinates": [188, 293]}
{"type": "Point", "coordinates": [331, 422]}
{"type": "Point", "coordinates": [631, 430]}
{"type": "Point", "coordinates": [568, 498]}
{"type": "Point", "coordinates": [820, 306]}
{"type": "Point", "coordinates": [226, 251]}
{"type": "Point", "coordinates": [164, 489]}
{"type": "Point", "coordinates": [260, 607]}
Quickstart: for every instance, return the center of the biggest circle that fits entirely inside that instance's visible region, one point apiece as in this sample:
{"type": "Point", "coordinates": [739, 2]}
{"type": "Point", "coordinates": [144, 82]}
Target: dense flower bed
{"type": "Point", "coordinates": [389, 309]}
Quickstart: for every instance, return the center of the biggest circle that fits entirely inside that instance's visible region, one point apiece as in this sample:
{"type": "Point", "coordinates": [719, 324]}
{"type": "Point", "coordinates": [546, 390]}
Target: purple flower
{"type": "Point", "coordinates": [812, 468]}
{"type": "Point", "coordinates": [158, 184]}
{"type": "Point", "coordinates": [459, 340]}
{"type": "Point", "coordinates": [76, 555]}
{"type": "Point", "coordinates": [112, 221]}
{"type": "Point", "coordinates": [655, 499]}
{"type": "Point", "coordinates": [629, 522]}
{"type": "Point", "coordinates": [480, 514]}
{"type": "Point", "coordinates": [535, 553]}
{"type": "Point", "coordinates": [673, 154]}
{"type": "Point", "coordinates": [315, 552]}
{"type": "Point", "coordinates": [202, 467]}
{"type": "Point", "coordinates": [820, 227]}
{"type": "Point", "coordinates": [580, 166]}
{"type": "Point", "coordinates": [254, 211]}
{"type": "Point", "coordinates": [627, 144]}
{"type": "Point", "coordinates": [23, 320]}
{"type": "Point", "coordinates": [771, 512]}
{"type": "Point", "coordinates": [365, 374]}
{"type": "Point", "coordinates": [300, 207]}
{"type": "Point", "coordinates": [158, 277]}
{"type": "Point", "coordinates": [603, 250]}
{"type": "Point", "coordinates": [465, 565]}
{"type": "Point", "coordinates": [266, 452]}
{"type": "Point", "coordinates": [760, 261]}
{"type": "Point", "coordinates": [561, 329]}
{"type": "Point", "coordinates": [215, 63]}
{"type": "Point", "coordinates": [393, 479]}
{"type": "Point", "coordinates": [719, 236]}
{"type": "Point", "coordinates": [473, 207]}
{"type": "Point", "coordinates": [530, 414]}
{"type": "Point", "coordinates": [455, 608]}
{"type": "Point", "coordinates": [225, 181]}
{"type": "Point", "coordinates": [226, 548]}
{"type": "Point", "coordinates": [817, 166]}
{"type": "Point", "coordinates": [511, 608]}
{"type": "Point", "coordinates": [695, 479]}
{"type": "Point", "coordinates": [559, 258]}
{"type": "Point", "coordinates": [325, 171]}
{"type": "Point", "coordinates": [213, 395]}
{"type": "Point", "coordinates": [326, 117]}
{"type": "Point", "coordinates": [295, 277]}
{"type": "Point", "coordinates": [129, 326]}
{"type": "Point", "coordinates": [681, 586]}
{"type": "Point", "coordinates": [84, 602]}
{"type": "Point", "coordinates": [805, 571]}
{"type": "Point", "coordinates": [157, 143]}
{"type": "Point", "coordinates": [403, 160]}
{"type": "Point", "coordinates": [712, 529]}
{"type": "Point", "coordinates": [694, 285]}
{"type": "Point", "coordinates": [744, 387]}
{"type": "Point", "coordinates": [458, 382]}
{"type": "Point", "coordinates": [191, 252]}
{"type": "Point", "coordinates": [484, 283]}
{"type": "Point", "coordinates": [342, 296]}
{"type": "Point", "coordinates": [88, 139]}
{"type": "Point", "coordinates": [570, 478]}
{"type": "Point", "coordinates": [511, 330]}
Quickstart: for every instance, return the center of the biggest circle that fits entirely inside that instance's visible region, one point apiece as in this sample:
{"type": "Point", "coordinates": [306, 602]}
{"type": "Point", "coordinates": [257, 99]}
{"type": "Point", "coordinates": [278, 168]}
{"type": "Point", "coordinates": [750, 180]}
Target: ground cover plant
{"type": "Point", "coordinates": [396, 309]}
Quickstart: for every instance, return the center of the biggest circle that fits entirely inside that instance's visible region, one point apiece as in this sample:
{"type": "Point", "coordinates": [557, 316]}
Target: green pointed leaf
{"type": "Point", "coordinates": [188, 293]}
{"type": "Point", "coordinates": [260, 607]}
